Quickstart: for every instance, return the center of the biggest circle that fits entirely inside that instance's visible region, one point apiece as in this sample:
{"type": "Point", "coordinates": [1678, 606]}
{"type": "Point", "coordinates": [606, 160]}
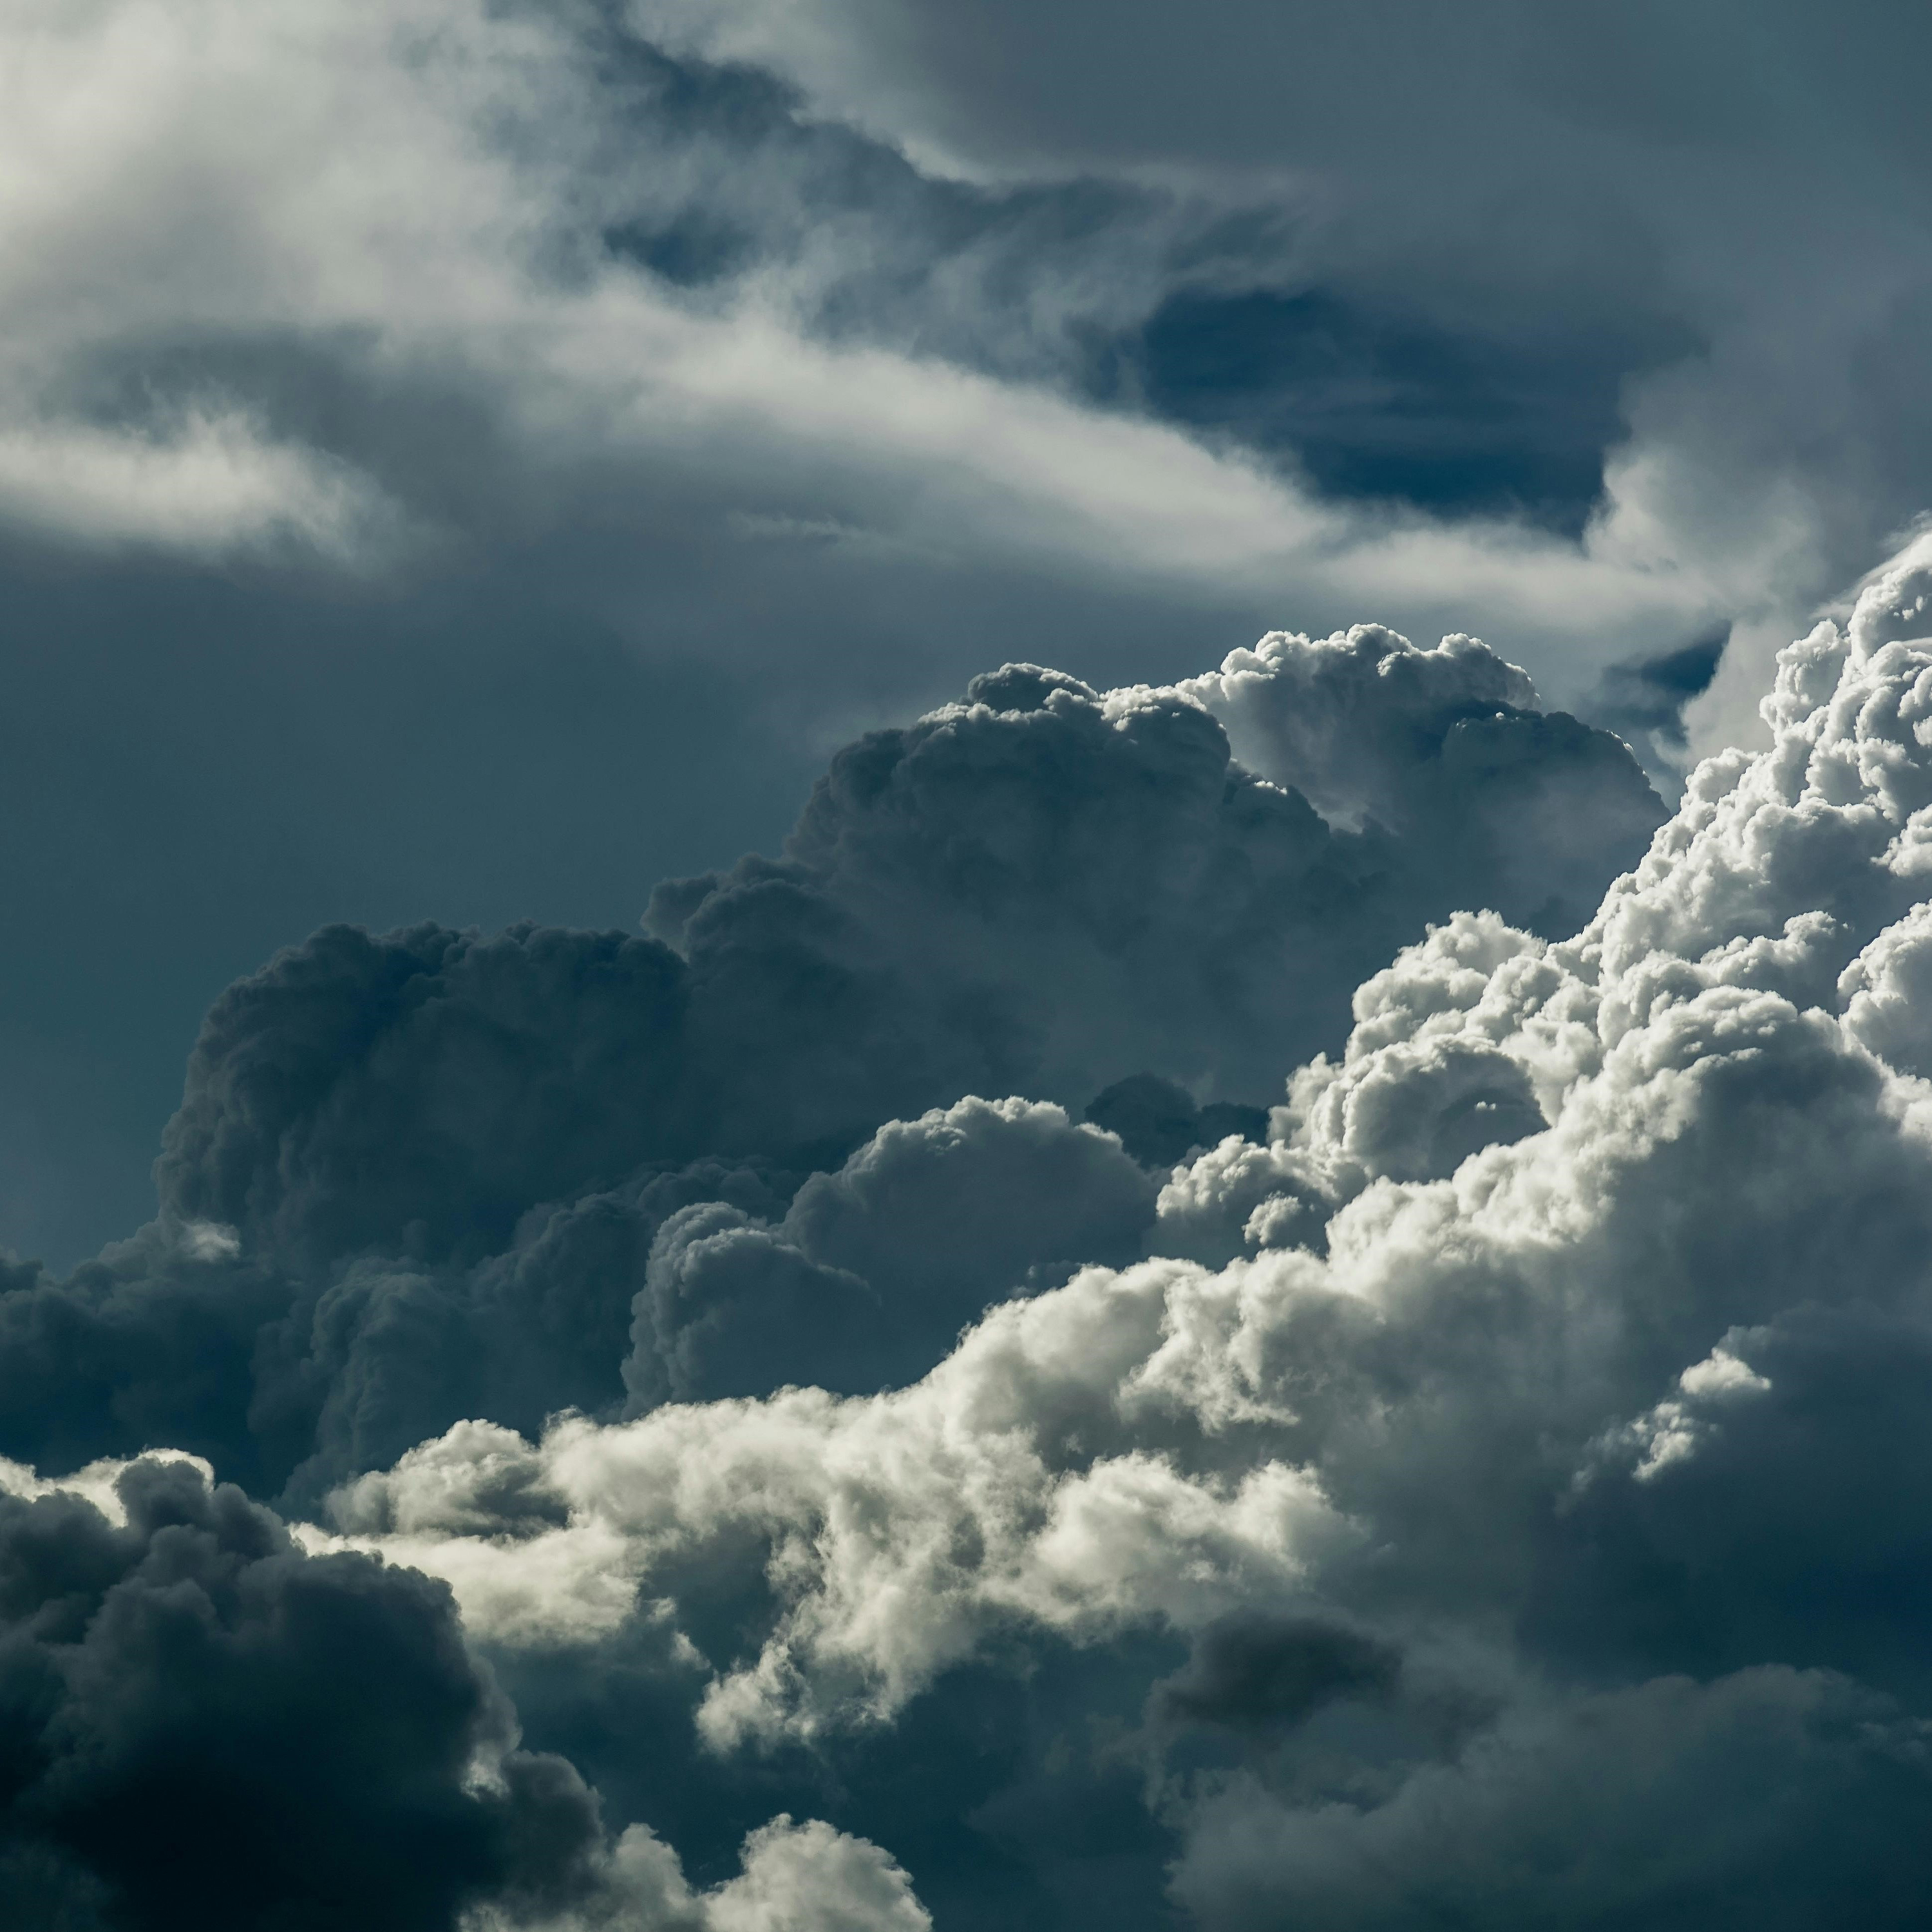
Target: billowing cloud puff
{"type": "Point", "coordinates": [170, 1662]}
{"type": "Point", "coordinates": [430, 1176]}
{"type": "Point", "coordinates": [1533, 1455]}
{"type": "Point", "coordinates": [177, 1664]}
{"type": "Point", "coordinates": [1044, 888]}
{"type": "Point", "coordinates": [1075, 886]}
{"type": "Point", "coordinates": [1513, 806]}
{"type": "Point", "coordinates": [1490, 1484]}
{"type": "Point", "coordinates": [875, 1269]}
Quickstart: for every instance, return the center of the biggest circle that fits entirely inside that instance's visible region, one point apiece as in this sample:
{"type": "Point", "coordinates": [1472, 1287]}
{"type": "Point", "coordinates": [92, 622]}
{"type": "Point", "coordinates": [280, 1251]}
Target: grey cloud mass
{"type": "Point", "coordinates": [429, 1175]}
{"type": "Point", "coordinates": [1259, 1277]}
{"type": "Point", "coordinates": [773, 370]}
{"type": "Point", "coordinates": [856, 1500]}
{"type": "Point", "coordinates": [1507, 1467]}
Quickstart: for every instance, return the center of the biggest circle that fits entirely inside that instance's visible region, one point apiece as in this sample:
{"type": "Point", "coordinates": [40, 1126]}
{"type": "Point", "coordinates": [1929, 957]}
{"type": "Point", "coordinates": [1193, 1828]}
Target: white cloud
{"type": "Point", "coordinates": [207, 485]}
{"type": "Point", "coordinates": [793, 1878]}
{"type": "Point", "coordinates": [96, 1482]}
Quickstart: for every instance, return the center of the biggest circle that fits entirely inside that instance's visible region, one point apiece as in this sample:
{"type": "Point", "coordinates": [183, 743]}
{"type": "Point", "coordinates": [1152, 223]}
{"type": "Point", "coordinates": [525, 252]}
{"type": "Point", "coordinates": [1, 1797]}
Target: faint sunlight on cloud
{"type": "Point", "coordinates": [423, 194]}
{"type": "Point", "coordinates": [210, 485]}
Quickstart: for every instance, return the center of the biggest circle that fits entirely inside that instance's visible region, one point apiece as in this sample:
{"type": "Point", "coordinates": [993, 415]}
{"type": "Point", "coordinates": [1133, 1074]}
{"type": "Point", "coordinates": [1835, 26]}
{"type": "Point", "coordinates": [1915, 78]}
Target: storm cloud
{"type": "Point", "coordinates": [1260, 1275]}
{"type": "Point", "coordinates": [1503, 1468]}
{"type": "Point", "coordinates": [428, 1175]}
{"type": "Point", "coordinates": [787, 1487]}
{"type": "Point", "coordinates": [730, 379]}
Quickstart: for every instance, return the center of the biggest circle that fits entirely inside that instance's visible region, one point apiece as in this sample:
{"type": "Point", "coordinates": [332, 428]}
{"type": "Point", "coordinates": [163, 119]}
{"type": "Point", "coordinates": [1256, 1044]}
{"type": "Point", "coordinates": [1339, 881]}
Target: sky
{"type": "Point", "coordinates": [966, 961]}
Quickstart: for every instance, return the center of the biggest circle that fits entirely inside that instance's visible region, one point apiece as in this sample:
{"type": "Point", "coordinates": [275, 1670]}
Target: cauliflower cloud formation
{"type": "Point", "coordinates": [1493, 1492]}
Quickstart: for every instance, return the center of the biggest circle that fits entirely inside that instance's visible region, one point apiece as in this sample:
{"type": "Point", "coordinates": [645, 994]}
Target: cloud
{"type": "Point", "coordinates": [168, 1657]}
{"type": "Point", "coordinates": [1047, 835]}
{"type": "Point", "coordinates": [1765, 1798]}
{"type": "Point", "coordinates": [875, 1269]}
{"type": "Point", "coordinates": [1407, 1510]}
{"type": "Point", "coordinates": [187, 1664]}
{"type": "Point", "coordinates": [1465, 183]}
{"type": "Point", "coordinates": [919, 1434]}
{"type": "Point", "coordinates": [1253, 1672]}
{"type": "Point", "coordinates": [1520, 1519]}
{"type": "Point", "coordinates": [429, 1176]}
{"type": "Point", "coordinates": [1645, 701]}
{"type": "Point", "coordinates": [629, 276]}
{"type": "Point", "coordinates": [214, 484]}
{"type": "Point", "coordinates": [796, 1878]}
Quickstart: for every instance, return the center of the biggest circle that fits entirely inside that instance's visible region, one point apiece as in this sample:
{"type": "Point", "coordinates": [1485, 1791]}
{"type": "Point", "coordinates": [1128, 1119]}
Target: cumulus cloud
{"type": "Point", "coordinates": [429, 1176]}
{"type": "Point", "coordinates": [670, 360]}
{"type": "Point", "coordinates": [186, 1664]}
{"type": "Point", "coordinates": [1447, 1493]}
{"type": "Point", "coordinates": [1256, 1296]}
{"type": "Point", "coordinates": [875, 1269]}
{"type": "Point", "coordinates": [170, 1658]}
{"type": "Point", "coordinates": [1802, 1790]}
{"type": "Point", "coordinates": [1508, 1471]}
{"type": "Point", "coordinates": [1045, 837]}
{"type": "Point", "coordinates": [796, 1878]}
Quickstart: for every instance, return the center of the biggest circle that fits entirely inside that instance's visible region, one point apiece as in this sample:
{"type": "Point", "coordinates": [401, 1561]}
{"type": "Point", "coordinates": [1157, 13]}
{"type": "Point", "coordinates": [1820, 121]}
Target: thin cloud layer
{"type": "Point", "coordinates": [623, 267]}
{"type": "Point", "coordinates": [1502, 169]}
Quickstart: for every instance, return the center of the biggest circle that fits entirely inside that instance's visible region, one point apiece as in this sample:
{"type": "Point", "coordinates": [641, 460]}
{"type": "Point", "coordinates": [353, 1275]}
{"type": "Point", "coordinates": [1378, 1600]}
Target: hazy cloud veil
{"type": "Point", "coordinates": [1262, 1278]}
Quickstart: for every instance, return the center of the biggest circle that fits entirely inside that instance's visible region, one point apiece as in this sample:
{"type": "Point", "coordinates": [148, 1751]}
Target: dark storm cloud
{"type": "Point", "coordinates": [1736, 1520]}
{"type": "Point", "coordinates": [200, 1725]}
{"type": "Point", "coordinates": [1079, 887]}
{"type": "Point", "coordinates": [1256, 1673]}
{"type": "Point", "coordinates": [1483, 1526]}
{"type": "Point", "coordinates": [1042, 890]}
{"type": "Point", "coordinates": [875, 1269]}
{"type": "Point", "coordinates": [1773, 1798]}
{"type": "Point", "coordinates": [196, 772]}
